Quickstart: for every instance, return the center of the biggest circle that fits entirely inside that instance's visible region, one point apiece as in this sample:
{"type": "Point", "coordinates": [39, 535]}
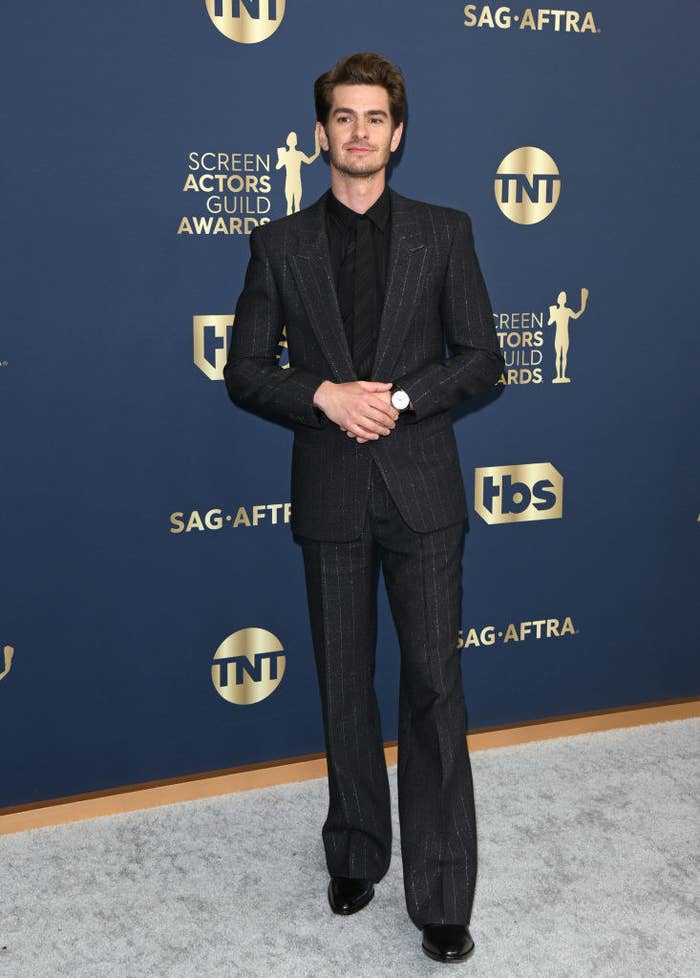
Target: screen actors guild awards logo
{"type": "Point", "coordinates": [248, 666]}
{"type": "Point", "coordinates": [246, 21]}
{"type": "Point", "coordinates": [521, 335]}
{"type": "Point", "coordinates": [232, 187]}
{"type": "Point", "coordinates": [233, 190]}
{"type": "Point", "coordinates": [7, 656]}
{"type": "Point", "coordinates": [527, 185]}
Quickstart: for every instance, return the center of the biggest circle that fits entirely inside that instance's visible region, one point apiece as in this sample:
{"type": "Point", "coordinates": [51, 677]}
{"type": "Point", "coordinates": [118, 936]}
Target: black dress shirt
{"type": "Point", "coordinates": [341, 228]}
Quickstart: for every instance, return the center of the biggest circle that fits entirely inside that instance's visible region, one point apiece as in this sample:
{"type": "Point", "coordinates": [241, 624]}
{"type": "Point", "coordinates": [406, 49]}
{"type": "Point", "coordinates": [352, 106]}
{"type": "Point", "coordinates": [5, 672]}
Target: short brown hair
{"type": "Point", "coordinates": [366, 68]}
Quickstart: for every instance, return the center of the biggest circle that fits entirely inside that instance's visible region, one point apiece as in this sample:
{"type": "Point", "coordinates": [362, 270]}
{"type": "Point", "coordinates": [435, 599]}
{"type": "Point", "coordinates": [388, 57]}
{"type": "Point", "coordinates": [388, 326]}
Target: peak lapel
{"type": "Point", "coordinates": [311, 266]}
{"type": "Point", "coordinates": [407, 255]}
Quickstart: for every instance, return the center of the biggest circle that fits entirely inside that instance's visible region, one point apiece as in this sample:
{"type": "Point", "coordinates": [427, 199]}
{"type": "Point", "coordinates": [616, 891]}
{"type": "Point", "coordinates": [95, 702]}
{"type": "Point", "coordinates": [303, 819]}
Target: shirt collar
{"type": "Point", "coordinates": [379, 213]}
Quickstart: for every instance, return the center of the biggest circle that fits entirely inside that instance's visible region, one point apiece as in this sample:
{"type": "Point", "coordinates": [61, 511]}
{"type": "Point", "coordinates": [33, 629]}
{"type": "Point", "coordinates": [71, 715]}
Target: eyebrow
{"type": "Point", "coordinates": [368, 112]}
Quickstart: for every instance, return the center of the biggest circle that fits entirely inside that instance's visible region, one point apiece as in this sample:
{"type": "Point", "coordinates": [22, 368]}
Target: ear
{"type": "Point", "coordinates": [322, 137]}
{"type": "Point", "coordinates": [396, 137]}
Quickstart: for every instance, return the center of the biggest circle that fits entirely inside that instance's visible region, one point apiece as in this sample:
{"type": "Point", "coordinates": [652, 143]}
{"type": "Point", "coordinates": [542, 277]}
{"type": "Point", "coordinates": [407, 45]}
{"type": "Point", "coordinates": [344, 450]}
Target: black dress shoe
{"type": "Point", "coordinates": [347, 895]}
{"type": "Point", "coordinates": [447, 942]}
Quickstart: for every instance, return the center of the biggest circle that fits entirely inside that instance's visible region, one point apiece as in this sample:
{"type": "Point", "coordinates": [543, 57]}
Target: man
{"type": "Point", "coordinates": [372, 286]}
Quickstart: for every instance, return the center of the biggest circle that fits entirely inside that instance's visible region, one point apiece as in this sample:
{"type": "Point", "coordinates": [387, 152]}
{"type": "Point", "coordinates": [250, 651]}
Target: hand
{"type": "Point", "coordinates": [358, 438]}
{"type": "Point", "coordinates": [360, 408]}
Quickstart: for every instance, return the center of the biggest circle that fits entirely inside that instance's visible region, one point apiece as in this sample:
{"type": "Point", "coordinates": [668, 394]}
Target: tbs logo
{"type": "Point", "coordinates": [516, 493]}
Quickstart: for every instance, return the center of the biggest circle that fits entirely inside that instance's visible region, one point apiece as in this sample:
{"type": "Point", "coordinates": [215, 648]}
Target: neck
{"type": "Point", "coordinates": [358, 192]}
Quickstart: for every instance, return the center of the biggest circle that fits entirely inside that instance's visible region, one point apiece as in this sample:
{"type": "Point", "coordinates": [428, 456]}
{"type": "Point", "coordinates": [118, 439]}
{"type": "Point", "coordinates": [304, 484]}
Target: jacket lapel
{"type": "Point", "coordinates": [311, 266]}
{"type": "Point", "coordinates": [407, 254]}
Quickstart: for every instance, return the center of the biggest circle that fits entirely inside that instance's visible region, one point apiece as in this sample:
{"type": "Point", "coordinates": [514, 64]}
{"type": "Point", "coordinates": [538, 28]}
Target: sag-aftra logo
{"type": "Point", "coordinates": [529, 19]}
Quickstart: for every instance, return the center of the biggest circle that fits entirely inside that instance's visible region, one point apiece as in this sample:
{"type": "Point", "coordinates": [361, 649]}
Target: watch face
{"type": "Point", "coordinates": [400, 400]}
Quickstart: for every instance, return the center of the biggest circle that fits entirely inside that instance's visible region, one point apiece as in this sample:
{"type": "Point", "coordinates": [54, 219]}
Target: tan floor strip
{"type": "Point", "coordinates": [156, 793]}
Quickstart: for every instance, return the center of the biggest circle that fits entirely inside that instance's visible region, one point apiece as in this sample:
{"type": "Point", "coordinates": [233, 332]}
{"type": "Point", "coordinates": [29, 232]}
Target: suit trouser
{"type": "Point", "coordinates": [437, 819]}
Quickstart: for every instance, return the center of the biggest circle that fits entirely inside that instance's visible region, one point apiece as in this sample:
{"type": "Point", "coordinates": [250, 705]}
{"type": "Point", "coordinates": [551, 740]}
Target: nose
{"type": "Point", "coordinates": [361, 129]}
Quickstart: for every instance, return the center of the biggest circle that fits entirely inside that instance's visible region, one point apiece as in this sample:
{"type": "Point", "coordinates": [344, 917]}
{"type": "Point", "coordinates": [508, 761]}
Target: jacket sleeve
{"type": "Point", "coordinates": [254, 378]}
{"type": "Point", "coordinates": [475, 362]}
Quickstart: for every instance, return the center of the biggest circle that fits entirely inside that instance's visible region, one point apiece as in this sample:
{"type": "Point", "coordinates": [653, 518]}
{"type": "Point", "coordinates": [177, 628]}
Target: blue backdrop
{"type": "Point", "coordinates": [124, 249]}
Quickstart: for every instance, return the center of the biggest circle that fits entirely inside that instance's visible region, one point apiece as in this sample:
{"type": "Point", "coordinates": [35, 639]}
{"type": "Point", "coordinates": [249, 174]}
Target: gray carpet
{"type": "Point", "coordinates": [588, 854]}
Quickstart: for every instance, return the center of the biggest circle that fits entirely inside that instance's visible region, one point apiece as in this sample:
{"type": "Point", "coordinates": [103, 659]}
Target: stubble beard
{"type": "Point", "coordinates": [362, 169]}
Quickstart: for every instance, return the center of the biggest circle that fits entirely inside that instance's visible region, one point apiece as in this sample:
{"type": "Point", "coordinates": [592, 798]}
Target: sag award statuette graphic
{"type": "Point", "coordinates": [7, 655]}
{"type": "Point", "coordinates": [290, 159]}
{"type": "Point", "coordinates": [560, 315]}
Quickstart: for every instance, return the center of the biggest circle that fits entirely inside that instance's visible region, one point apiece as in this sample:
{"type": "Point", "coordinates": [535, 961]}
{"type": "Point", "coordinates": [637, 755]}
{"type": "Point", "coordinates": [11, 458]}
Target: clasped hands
{"type": "Point", "coordinates": [360, 408]}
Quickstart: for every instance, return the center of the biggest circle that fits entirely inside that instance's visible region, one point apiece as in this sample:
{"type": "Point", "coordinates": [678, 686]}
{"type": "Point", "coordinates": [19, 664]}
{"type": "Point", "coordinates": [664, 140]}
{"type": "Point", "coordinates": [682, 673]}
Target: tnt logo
{"type": "Point", "coordinates": [246, 21]}
{"type": "Point", "coordinates": [516, 493]}
{"type": "Point", "coordinates": [527, 185]}
{"type": "Point", "coordinates": [248, 666]}
{"type": "Point", "coordinates": [210, 336]}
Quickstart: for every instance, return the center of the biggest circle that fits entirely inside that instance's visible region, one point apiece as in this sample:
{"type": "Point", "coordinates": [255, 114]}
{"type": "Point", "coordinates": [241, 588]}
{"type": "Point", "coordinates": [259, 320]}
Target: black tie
{"type": "Point", "coordinates": [364, 327]}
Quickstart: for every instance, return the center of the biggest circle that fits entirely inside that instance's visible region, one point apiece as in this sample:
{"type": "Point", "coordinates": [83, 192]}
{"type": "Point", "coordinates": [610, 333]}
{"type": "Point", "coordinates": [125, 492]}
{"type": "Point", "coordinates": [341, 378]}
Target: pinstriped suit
{"type": "Point", "coordinates": [399, 502]}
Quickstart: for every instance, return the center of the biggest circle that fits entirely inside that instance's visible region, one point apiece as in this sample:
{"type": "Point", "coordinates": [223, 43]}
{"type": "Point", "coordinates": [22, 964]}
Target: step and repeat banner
{"type": "Point", "coordinates": [153, 620]}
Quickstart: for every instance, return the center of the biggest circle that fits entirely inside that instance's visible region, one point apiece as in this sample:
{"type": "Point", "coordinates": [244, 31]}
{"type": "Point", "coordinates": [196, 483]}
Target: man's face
{"type": "Point", "coordinates": [358, 133]}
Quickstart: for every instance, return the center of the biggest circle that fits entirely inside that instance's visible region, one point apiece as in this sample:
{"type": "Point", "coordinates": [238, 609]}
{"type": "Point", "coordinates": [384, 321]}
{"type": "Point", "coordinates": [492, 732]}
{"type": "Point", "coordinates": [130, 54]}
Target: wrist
{"type": "Point", "coordinates": [320, 392]}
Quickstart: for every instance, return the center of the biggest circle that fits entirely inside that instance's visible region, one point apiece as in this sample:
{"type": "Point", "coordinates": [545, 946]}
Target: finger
{"type": "Point", "coordinates": [377, 419]}
{"type": "Point", "coordinates": [375, 428]}
{"type": "Point", "coordinates": [361, 430]}
{"type": "Point", "coordinates": [375, 385]}
{"type": "Point", "coordinates": [364, 425]}
{"type": "Point", "coordinates": [386, 408]}
{"type": "Point", "coordinates": [367, 416]}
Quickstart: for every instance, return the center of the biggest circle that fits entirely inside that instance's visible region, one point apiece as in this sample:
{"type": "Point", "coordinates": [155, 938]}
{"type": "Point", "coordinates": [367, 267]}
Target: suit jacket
{"type": "Point", "coordinates": [436, 339]}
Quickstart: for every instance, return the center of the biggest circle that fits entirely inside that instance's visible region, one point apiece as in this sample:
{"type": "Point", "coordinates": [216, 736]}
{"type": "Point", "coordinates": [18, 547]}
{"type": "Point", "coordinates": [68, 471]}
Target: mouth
{"type": "Point", "coordinates": [359, 149]}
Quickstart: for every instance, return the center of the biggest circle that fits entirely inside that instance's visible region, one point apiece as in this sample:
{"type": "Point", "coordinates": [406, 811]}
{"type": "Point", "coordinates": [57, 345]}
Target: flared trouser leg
{"type": "Point", "coordinates": [436, 795]}
{"type": "Point", "coordinates": [341, 580]}
{"type": "Point", "coordinates": [437, 819]}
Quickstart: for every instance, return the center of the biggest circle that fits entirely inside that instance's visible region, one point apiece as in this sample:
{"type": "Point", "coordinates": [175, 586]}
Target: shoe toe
{"type": "Point", "coordinates": [447, 942]}
{"type": "Point", "coordinates": [348, 895]}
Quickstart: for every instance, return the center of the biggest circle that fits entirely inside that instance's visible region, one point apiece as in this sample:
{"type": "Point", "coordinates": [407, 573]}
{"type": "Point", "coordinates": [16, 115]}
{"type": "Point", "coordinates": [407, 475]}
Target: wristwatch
{"type": "Point", "coordinates": [400, 399]}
